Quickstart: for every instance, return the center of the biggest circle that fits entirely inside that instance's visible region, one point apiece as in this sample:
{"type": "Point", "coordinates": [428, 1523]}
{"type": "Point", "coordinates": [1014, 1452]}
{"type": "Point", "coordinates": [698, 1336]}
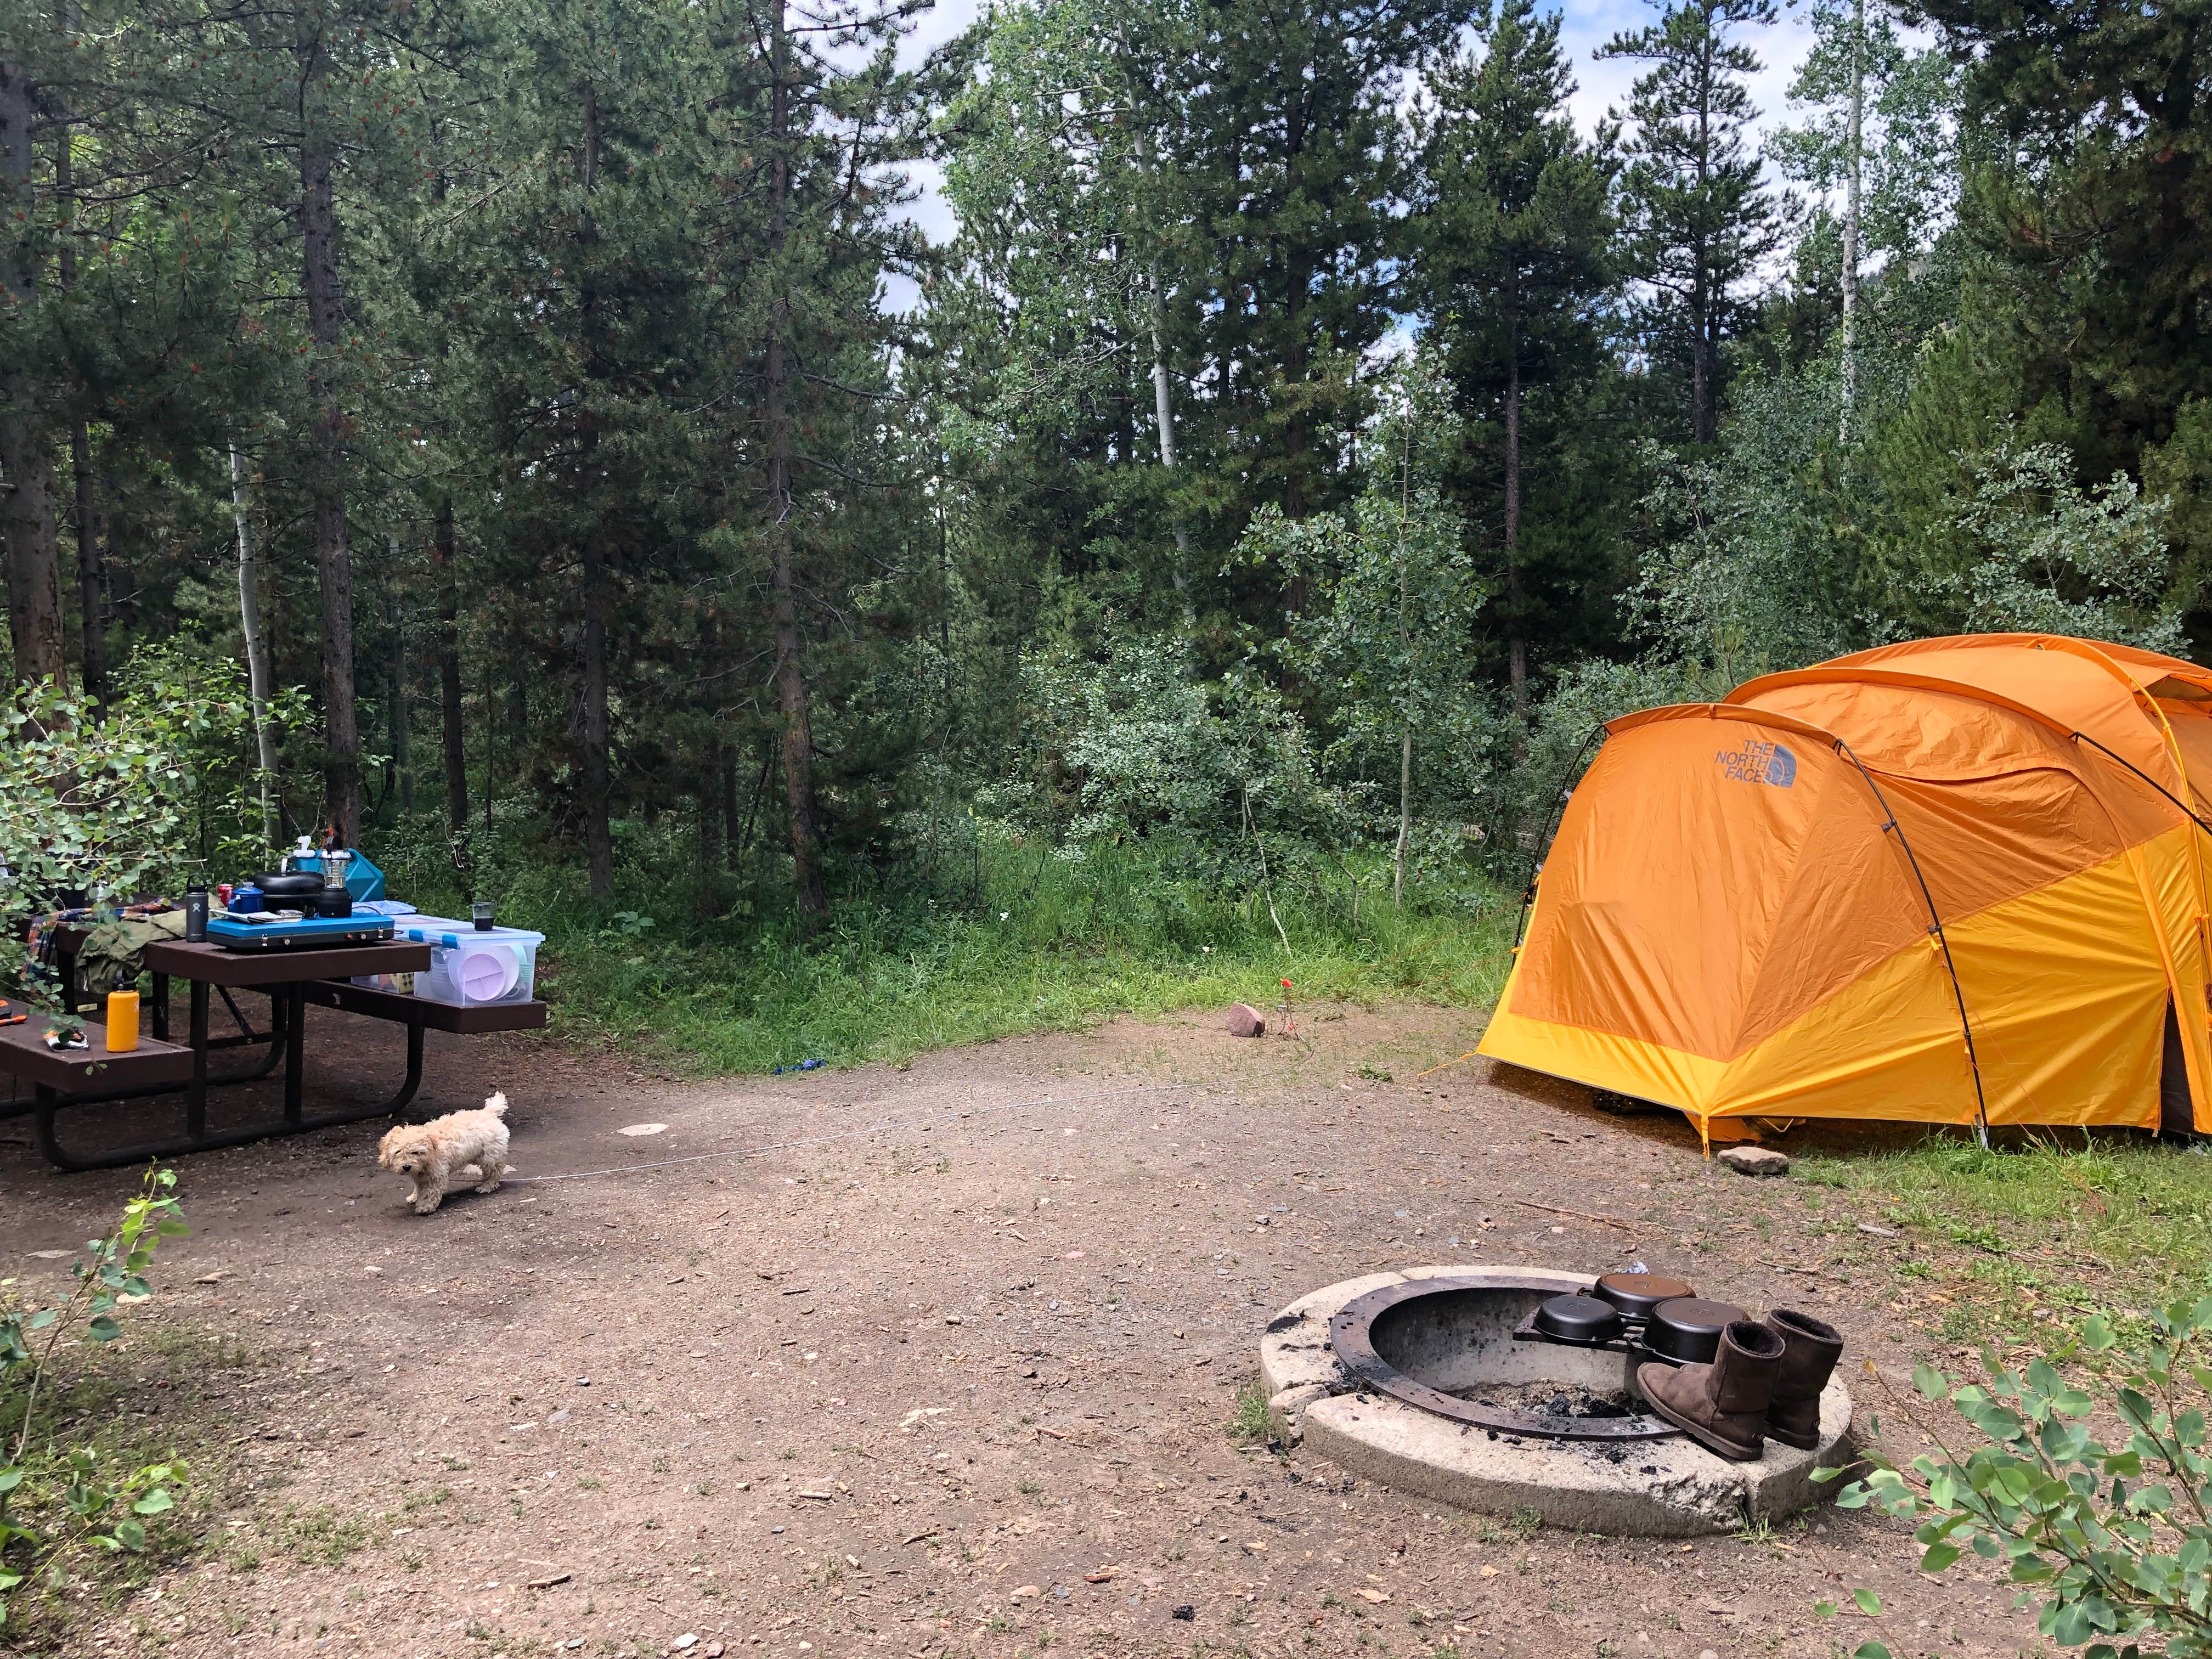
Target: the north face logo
{"type": "Point", "coordinates": [1759, 763]}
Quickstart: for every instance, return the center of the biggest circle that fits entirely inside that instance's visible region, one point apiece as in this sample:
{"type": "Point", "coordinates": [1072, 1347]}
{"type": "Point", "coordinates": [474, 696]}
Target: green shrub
{"type": "Point", "coordinates": [2114, 1541]}
{"type": "Point", "coordinates": [57, 1505]}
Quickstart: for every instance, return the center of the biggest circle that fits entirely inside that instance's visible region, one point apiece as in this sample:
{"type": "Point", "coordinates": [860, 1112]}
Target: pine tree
{"type": "Point", "coordinates": [1072, 306]}
{"type": "Point", "coordinates": [826, 118]}
{"type": "Point", "coordinates": [1293, 147]}
{"type": "Point", "coordinates": [1884, 133]}
{"type": "Point", "coordinates": [28, 522]}
{"type": "Point", "coordinates": [1512, 265]}
{"type": "Point", "coordinates": [1697, 219]}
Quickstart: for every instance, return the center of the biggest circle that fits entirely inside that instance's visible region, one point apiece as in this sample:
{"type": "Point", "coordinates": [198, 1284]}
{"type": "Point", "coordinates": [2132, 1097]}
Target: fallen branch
{"type": "Point", "coordinates": [1580, 1215]}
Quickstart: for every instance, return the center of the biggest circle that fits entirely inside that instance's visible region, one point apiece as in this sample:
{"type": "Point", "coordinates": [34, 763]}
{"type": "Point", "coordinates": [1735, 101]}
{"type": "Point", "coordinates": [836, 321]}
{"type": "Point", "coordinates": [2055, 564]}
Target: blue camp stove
{"type": "Point", "coordinates": [307, 933]}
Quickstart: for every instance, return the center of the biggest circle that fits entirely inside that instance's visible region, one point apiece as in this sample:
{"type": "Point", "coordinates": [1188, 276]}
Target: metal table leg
{"type": "Point", "coordinates": [287, 1038]}
{"type": "Point", "coordinates": [196, 1095]}
{"type": "Point", "coordinates": [295, 1024]}
{"type": "Point", "coordinates": [161, 1007]}
{"type": "Point", "coordinates": [399, 1102]}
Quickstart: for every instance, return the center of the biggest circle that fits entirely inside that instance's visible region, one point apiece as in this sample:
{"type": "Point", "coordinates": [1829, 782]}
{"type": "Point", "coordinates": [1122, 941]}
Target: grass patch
{"type": "Point", "coordinates": [1034, 942]}
{"type": "Point", "coordinates": [158, 1394]}
{"type": "Point", "coordinates": [1253, 1425]}
{"type": "Point", "coordinates": [2017, 1243]}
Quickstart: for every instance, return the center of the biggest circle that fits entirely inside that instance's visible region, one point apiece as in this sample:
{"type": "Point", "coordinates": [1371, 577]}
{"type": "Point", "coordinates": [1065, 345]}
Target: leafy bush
{"type": "Point", "coordinates": [56, 1506]}
{"type": "Point", "coordinates": [2057, 559]}
{"type": "Point", "coordinates": [2115, 1543]}
{"type": "Point", "coordinates": [1133, 746]}
{"type": "Point", "coordinates": [132, 800]}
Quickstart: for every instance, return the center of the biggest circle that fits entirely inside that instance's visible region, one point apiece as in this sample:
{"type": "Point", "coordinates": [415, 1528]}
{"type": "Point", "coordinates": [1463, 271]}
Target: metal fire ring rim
{"type": "Point", "coordinates": [1349, 1334]}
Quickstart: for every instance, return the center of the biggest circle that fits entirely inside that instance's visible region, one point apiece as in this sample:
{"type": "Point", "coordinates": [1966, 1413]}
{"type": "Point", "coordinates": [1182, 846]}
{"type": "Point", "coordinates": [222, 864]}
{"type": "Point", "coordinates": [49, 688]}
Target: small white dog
{"type": "Point", "coordinates": [434, 1155]}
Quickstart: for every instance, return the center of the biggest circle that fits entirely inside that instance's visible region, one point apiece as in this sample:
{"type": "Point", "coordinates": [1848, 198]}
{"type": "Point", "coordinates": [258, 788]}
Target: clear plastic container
{"type": "Point", "coordinates": [469, 969]}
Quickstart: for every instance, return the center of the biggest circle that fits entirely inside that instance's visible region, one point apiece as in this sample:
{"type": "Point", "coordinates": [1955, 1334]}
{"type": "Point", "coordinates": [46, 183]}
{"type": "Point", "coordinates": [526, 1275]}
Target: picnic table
{"type": "Point", "coordinates": [291, 980]}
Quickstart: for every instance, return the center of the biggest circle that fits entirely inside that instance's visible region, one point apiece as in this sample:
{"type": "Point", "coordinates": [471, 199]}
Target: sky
{"type": "Point", "coordinates": [1584, 28]}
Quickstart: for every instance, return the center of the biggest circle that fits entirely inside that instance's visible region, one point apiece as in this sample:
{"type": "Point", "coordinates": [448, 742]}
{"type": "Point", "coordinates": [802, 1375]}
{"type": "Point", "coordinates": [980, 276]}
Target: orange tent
{"type": "Point", "coordinates": [1958, 881]}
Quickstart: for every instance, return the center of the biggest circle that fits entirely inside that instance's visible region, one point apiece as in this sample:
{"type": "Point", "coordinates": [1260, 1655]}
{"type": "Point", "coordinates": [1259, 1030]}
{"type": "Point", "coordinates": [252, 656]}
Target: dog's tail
{"type": "Point", "coordinates": [497, 1105]}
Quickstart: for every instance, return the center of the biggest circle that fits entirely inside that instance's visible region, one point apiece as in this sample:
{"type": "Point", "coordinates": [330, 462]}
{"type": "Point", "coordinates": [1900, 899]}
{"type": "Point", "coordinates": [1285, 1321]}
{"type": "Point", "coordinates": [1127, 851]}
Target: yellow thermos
{"type": "Point", "coordinates": [122, 1021]}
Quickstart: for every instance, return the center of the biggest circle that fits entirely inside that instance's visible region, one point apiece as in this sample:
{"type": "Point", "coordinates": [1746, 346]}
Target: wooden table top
{"type": "Point", "coordinates": [24, 1053]}
{"type": "Point", "coordinates": [217, 966]}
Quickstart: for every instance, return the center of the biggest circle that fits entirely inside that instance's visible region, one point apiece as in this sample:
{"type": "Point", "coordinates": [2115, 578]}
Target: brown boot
{"type": "Point", "coordinates": [1723, 1404]}
{"type": "Point", "coordinates": [1810, 1348]}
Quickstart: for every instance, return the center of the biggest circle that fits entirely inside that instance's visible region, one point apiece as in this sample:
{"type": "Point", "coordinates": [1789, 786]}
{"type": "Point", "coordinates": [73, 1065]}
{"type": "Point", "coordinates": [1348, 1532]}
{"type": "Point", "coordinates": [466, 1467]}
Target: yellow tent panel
{"type": "Point", "coordinates": [1958, 881]}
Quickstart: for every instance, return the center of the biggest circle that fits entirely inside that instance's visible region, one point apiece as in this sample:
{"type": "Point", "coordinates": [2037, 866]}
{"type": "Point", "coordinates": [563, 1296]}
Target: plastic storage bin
{"type": "Point", "coordinates": [468, 968]}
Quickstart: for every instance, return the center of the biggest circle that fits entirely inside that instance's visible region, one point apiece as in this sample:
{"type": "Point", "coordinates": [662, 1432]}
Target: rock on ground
{"type": "Point", "coordinates": [1756, 1161]}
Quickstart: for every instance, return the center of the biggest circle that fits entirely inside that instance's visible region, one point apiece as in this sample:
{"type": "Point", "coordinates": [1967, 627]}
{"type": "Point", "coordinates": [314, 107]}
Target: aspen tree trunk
{"type": "Point", "coordinates": [598, 833]}
{"type": "Point", "coordinates": [91, 572]}
{"type": "Point", "coordinates": [91, 589]}
{"type": "Point", "coordinates": [1163, 402]}
{"type": "Point", "coordinates": [1516, 645]}
{"type": "Point", "coordinates": [449, 671]}
{"type": "Point", "coordinates": [1705, 349]}
{"type": "Point", "coordinates": [333, 557]}
{"type": "Point", "coordinates": [1406, 653]}
{"type": "Point", "coordinates": [1853, 143]}
{"type": "Point", "coordinates": [396, 723]}
{"type": "Point", "coordinates": [790, 660]}
{"type": "Point", "coordinates": [257, 648]}
{"type": "Point", "coordinates": [1164, 411]}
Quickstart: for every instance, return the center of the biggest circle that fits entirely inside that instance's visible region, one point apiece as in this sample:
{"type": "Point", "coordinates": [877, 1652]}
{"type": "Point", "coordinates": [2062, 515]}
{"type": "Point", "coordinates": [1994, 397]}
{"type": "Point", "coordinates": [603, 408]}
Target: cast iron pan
{"type": "Point", "coordinates": [1688, 1328]}
{"type": "Point", "coordinates": [1578, 1319]}
{"type": "Point", "coordinates": [1637, 1294]}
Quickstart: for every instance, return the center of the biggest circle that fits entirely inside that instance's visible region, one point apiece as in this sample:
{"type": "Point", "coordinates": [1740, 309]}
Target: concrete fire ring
{"type": "Point", "coordinates": [1671, 1488]}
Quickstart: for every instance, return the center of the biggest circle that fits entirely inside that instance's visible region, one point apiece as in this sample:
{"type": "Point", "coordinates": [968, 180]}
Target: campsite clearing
{"type": "Point", "coordinates": [864, 1391]}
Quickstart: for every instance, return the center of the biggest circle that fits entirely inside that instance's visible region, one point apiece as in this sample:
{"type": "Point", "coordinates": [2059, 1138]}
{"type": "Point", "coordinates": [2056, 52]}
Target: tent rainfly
{"type": "Point", "coordinates": [1958, 881]}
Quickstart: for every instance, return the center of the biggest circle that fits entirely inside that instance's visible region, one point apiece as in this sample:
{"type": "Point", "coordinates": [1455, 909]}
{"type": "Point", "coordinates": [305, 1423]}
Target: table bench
{"type": "Point", "coordinates": [291, 980]}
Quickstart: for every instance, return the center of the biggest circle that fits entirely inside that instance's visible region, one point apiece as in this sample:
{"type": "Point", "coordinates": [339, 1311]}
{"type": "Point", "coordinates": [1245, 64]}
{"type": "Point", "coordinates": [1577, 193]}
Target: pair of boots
{"type": "Point", "coordinates": [1766, 1379]}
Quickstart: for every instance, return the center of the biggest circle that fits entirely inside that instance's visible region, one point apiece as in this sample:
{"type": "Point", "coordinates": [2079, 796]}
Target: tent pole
{"type": "Point", "coordinates": [1965, 1027]}
{"type": "Point", "coordinates": [2082, 737]}
{"type": "Point", "coordinates": [1551, 829]}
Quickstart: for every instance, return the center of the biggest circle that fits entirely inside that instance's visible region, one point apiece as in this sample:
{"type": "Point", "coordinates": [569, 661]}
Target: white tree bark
{"type": "Point", "coordinates": [1853, 145]}
{"type": "Point", "coordinates": [257, 646]}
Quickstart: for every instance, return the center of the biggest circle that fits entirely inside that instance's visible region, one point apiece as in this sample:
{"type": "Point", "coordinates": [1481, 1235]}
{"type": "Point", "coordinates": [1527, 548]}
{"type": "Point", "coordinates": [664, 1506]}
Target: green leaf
{"type": "Point", "coordinates": [1867, 1602]}
{"type": "Point", "coordinates": [1939, 1556]}
{"type": "Point", "coordinates": [1870, 1650]}
{"type": "Point", "coordinates": [1931, 1382]}
{"type": "Point", "coordinates": [1825, 1609]}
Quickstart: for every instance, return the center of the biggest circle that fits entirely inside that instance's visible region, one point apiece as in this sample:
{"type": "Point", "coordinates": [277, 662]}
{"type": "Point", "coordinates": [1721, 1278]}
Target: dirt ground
{"type": "Point", "coordinates": [945, 1364]}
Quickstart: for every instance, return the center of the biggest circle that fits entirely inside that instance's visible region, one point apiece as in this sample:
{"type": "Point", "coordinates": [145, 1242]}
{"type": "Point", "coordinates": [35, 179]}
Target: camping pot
{"type": "Point", "coordinates": [1582, 1319]}
{"type": "Point", "coordinates": [289, 884]}
{"type": "Point", "coordinates": [1688, 1329]}
{"type": "Point", "coordinates": [1637, 1294]}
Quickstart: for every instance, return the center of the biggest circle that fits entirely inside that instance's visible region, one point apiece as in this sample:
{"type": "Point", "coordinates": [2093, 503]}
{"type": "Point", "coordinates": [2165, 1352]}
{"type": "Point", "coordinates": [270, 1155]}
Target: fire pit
{"type": "Point", "coordinates": [1417, 1379]}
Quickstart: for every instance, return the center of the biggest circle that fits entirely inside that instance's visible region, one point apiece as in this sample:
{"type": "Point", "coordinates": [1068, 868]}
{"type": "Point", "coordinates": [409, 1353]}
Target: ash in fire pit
{"type": "Point", "coordinates": [1415, 1379]}
{"type": "Point", "coordinates": [1555, 1400]}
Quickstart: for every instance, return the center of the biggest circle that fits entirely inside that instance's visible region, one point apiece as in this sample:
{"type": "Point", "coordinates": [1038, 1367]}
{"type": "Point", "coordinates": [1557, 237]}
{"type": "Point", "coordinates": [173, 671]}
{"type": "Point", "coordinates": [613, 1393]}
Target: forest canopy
{"type": "Point", "coordinates": [551, 421]}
